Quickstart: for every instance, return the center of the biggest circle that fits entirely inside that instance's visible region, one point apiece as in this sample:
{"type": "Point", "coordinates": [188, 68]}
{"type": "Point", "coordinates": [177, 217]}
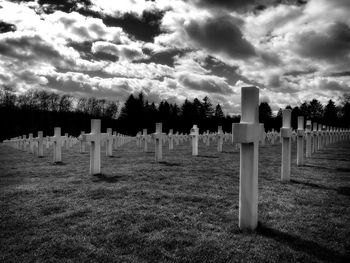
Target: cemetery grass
{"type": "Point", "coordinates": [184, 209]}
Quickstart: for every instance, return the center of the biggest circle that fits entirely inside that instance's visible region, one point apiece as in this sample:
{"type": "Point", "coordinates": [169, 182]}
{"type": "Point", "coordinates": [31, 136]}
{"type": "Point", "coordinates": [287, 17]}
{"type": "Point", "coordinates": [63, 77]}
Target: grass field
{"type": "Point", "coordinates": [184, 209]}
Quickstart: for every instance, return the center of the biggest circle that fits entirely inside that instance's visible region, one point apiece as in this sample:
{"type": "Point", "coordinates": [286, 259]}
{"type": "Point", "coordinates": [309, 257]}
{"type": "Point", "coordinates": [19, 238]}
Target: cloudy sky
{"type": "Point", "coordinates": [293, 50]}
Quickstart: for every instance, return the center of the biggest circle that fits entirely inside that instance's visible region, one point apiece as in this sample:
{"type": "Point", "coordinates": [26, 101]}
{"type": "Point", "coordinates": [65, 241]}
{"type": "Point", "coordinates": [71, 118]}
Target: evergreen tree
{"type": "Point", "coordinates": [219, 114]}
{"type": "Point", "coordinates": [330, 114]}
{"type": "Point", "coordinates": [305, 109]}
{"type": "Point", "coordinates": [265, 112]}
{"type": "Point", "coordinates": [207, 107]}
{"type": "Point", "coordinates": [316, 110]}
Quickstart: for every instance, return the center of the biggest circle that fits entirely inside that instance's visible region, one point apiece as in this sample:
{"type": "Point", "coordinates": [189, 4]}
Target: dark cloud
{"type": "Point", "coordinates": [279, 84]}
{"type": "Point", "coordinates": [144, 27]}
{"type": "Point", "coordinates": [333, 44]}
{"type": "Point", "coordinates": [27, 48]}
{"type": "Point", "coordinates": [274, 81]}
{"type": "Point", "coordinates": [6, 27]}
{"type": "Point", "coordinates": [222, 35]}
{"type": "Point", "coordinates": [164, 58]}
{"type": "Point", "coordinates": [270, 58]}
{"type": "Point", "coordinates": [339, 74]}
{"type": "Point", "coordinates": [221, 69]}
{"type": "Point", "coordinates": [245, 5]}
{"type": "Point", "coordinates": [84, 49]}
{"type": "Point", "coordinates": [210, 84]}
{"type": "Point", "coordinates": [296, 73]}
{"type": "Point", "coordinates": [50, 6]}
{"type": "Point", "coordinates": [333, 86]}
{"type": "Point", "coordinates": [227, 4]}
{"type": "Point", "coordinates": [80, 87]}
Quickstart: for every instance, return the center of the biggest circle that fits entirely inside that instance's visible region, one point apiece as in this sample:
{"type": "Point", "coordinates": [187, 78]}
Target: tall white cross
{"type": "Point", "coordinates": [158, 137]}
{"type": "Point", "coordinates": [65, 140]}
{"type": "Point", "coordinates": [115, 140]}
{"type": "Point", "coordinates": [171, 139]}
{"type": "Point", "coordinates": [194, 133]}
{"type": "Point", "coordinates": [40, 142]}
{"type": "Point", "coordinates": [109, 142]}
{"type": "Point", "coordinates": [31, 142]}
{"type": "Point", "coordinates": [82, 143]}
{"type": "Point", "coordinates": [220, 137]}
{"type": "Point", "coordinates": [319, 136]}
{"type": "Point", "coordinates": [300, 141]}
{"type": "Point", "coordinates": [144, 139]}
{"type": "Point", "coordinates": [57, 144]}
{"type": "Point", "coordinates": [308, 139]}
{"type": "Point", "coordinates": [286, 134]}
{"type": "Point", "coordinates": [248, 133]}
{"type": "Point", "coordinates": [314, 137]}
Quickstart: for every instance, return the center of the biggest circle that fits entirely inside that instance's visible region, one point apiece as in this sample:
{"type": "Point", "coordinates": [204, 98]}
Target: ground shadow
{"type": "Point", "coordinates": [105, 178]}
{"type": "Point", "coordinates": [208, 156]}
{"type": "Point", "coordinates": [232, 152]}
{"type": "Point", "coordinates": [295, 242]}
{"type": "Point", "coordinates": [59, 163]}
{"type": "Point", "coordinates": [319, 167]}
{"type": "Point", "coordinates": [347, 170]}
{"type": "Point", "coordinates": [310, 185]}
{"type": "Point", "coordinates": [344, 191]}
{"type": "Point", "coordinates": [331, 159]}
{"type": "Point", "coordinates": [169, 164]}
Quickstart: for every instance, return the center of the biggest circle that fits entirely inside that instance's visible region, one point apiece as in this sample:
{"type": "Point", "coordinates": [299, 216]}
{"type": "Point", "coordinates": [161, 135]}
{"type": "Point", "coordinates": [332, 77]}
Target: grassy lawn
{"type": "Point", "coordinates": [184, 209]}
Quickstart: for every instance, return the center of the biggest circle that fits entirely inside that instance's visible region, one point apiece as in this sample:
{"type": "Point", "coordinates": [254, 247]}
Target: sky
{"type": "Point", "coordinates": [293, 50]}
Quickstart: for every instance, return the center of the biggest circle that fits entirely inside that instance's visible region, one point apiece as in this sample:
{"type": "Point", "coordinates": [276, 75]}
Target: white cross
{"type": "Point", "coordinates": [220, 139]}
{"type": "Point", "coordinates": [300, 141]}
{"type": "Point", "coordinates": [308, 138]}
{"type": "Point", "coordinates": [82, 143]}
{"type": "Point", "coordinates": [194, 135]}
{"type": "Point", "coordinates": [95, 138]}
{"type": "Point", "coordinates": [109, 142]}
{"type": "Point", "coordinates": [40, 142]}
{"type": "Point", "coordinates": [57, 144]}
{"type": "Point", "coordinates": [286, 134]}
{"type": "Point", "coordinates": [158, 136]}
{"type": "Point", "coordinates": [171, 139]}
{"type": "Point", "coordinates": [248, 133]}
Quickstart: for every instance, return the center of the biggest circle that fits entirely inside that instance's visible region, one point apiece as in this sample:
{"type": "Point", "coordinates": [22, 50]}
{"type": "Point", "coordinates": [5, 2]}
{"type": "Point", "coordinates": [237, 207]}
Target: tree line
{"type": "Point", "coordinates": [37, 110]}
